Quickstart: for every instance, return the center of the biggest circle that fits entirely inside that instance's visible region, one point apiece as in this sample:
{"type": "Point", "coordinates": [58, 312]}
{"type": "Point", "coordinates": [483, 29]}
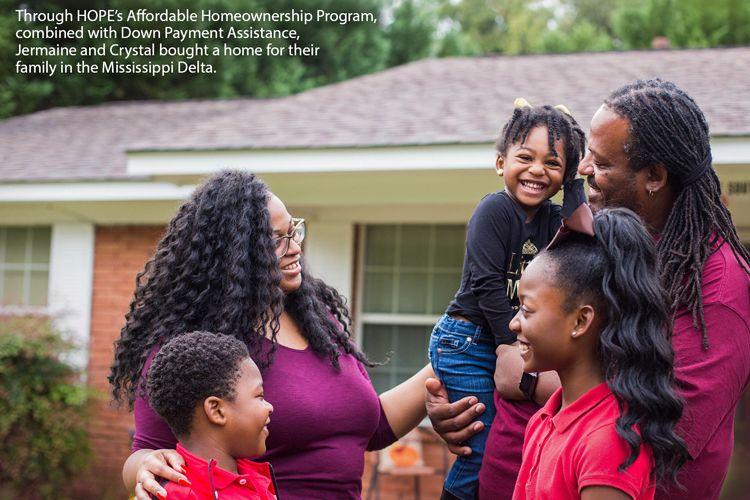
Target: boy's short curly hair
{"type": "Point", "coordinates": [188, 369]}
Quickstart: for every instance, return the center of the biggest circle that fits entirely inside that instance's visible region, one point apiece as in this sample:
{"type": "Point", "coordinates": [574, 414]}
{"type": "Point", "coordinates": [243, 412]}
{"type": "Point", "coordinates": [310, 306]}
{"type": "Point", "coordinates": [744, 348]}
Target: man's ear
{"type": "Point", "coordinates": [499, 164]}
{"type": "Point", "coordinates": [585, 320]}
{"type": "Point", "coordinates": [215, 410]}
{"type": "Point", "coordinates": [657, 178]}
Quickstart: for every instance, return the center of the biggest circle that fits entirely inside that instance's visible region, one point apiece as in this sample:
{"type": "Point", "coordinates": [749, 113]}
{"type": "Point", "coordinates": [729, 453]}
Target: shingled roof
{"type": "Point", "coordinates": [432, 101]}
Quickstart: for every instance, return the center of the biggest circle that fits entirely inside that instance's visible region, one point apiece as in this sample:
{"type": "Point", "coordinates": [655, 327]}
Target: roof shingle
{"type": "Point", "coordinates": [433, 101]}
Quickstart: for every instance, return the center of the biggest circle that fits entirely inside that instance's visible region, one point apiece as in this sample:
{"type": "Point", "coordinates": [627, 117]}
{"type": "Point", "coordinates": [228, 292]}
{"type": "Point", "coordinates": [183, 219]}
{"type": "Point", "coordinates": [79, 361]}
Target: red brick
{"type": "Point", "coordinates": [119, 254]}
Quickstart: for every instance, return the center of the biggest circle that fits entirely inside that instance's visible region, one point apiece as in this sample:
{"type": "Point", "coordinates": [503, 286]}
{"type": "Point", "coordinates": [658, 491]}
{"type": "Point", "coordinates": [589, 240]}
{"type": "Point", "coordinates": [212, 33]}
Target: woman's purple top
{"type": "Point", "coordinates": [322, 423]}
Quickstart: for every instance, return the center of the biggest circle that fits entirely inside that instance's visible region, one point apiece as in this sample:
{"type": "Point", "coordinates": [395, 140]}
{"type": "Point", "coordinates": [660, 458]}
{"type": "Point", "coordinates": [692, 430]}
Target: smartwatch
{"type": "Point", "coordinates": [528, 384]}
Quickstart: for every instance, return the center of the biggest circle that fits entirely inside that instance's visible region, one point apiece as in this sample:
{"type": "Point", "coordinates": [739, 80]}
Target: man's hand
{"type": "Point", "coordinates": [454, 422]}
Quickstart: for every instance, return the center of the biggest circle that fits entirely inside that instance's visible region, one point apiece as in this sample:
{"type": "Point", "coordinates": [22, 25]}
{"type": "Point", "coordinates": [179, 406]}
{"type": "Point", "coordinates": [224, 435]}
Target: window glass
{"type": "Point", "coordinates": [414, 248]}
{"type": "Point", "coordinates": [40, 245]}
{"type": "Point", "coordinates": [381, 246]}
{"type": "Point", "coordinates": [13, 287]}
{"type": "Point", "coordinates": [24, 265]}
{"type": "Point", "coordinates": [378, 293]}
{"type": "Point", "coordinates": [15, 245]}
{"type": "Point", "coordinates": [412, 290]}
{"type": "Point", "coordinates": [411, 273]}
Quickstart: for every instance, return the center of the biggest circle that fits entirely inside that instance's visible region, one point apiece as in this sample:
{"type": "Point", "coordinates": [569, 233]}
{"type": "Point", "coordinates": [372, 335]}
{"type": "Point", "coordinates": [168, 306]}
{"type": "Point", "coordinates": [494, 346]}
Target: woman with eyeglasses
{"type": "Point", "coordinates": [231, 262]}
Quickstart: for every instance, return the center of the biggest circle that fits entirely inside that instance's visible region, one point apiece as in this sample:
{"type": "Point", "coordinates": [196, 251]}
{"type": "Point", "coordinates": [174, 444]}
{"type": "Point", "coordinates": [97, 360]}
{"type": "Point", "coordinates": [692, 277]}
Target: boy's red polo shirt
{"type": "Point", "coordinates": [254, 480]}
{"type": "Point", "coordinates": [567, 450]}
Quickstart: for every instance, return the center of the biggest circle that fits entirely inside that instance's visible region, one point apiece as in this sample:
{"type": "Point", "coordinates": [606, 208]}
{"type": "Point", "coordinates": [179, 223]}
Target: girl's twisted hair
{"type": "Point", "coordinates": [560, 126]}
{"type": "Point", "coordinates": [616, 272]}
{"type": "Point", "coordinates": [215, 269]}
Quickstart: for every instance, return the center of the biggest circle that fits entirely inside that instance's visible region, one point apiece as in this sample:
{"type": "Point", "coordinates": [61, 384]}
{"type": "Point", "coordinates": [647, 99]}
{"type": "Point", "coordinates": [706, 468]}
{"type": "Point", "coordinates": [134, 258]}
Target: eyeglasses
{"type": "Point", "coordinates": [297, 234]}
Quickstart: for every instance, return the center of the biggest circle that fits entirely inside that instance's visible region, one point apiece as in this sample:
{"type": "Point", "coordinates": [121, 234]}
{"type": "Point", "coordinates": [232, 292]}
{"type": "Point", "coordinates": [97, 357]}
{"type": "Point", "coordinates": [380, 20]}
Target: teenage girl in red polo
{"type": "Point", "coordinates": [592, 310]}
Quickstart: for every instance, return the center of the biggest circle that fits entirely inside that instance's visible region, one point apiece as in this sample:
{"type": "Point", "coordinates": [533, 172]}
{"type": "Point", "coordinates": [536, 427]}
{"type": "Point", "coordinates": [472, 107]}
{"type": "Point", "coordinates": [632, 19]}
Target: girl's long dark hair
{"type": "Point", "coordinates": [215, 269]}
{"type": "Point", "coordinates": [616, 272]}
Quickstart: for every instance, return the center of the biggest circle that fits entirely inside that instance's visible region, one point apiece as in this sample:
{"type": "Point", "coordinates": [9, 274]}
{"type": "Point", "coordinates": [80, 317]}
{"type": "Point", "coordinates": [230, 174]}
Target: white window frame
{"type": "Point", "coordinates": [362, 318]}
{"type": "Point", "coordinates": [23, 309]}
{"type": "Point", "coordinates": [69, 286]}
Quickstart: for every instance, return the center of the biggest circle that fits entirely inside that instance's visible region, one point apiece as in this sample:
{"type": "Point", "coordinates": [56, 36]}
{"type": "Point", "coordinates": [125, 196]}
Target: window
{"type": "Point", "coordinates": [409, 274]}
{"type": "Point", "coordinates": [24, 265]}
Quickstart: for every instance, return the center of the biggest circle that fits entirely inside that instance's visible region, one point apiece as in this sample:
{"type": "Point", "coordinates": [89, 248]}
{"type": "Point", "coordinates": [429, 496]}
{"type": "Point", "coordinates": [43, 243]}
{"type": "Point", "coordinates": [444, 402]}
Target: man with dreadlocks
{"type": "Point", "coordinates": [649, 151]}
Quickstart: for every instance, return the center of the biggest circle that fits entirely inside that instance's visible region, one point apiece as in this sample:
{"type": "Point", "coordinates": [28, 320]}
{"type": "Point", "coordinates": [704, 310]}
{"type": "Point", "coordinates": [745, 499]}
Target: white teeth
{"type": "Point", "coordinates": [533, 185]}
{"type": "Point", "coordinates": [291, 267]}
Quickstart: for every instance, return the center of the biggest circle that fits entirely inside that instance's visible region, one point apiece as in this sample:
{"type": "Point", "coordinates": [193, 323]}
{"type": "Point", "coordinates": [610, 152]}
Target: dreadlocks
{"type": "Point", "coordinates": [560, 125]}
{"type": "Point", "coordinates": [667, 127]}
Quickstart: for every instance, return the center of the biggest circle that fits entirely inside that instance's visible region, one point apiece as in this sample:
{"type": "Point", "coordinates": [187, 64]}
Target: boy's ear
{"type": "Point", "coordinates": [215, 410]}
{"type": "Point", "coordinates": [499, 164]}
{"type": "Point", "coordinates": [585, 320]}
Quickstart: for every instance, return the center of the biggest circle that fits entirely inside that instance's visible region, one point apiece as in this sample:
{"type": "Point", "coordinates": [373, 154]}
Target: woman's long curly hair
{"type": "Point", "coordinates": [215, 269]}
{"type": "Point", "coordinates": [615, 271]}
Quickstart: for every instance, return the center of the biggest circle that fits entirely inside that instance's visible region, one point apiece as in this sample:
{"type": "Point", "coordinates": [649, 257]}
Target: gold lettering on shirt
{"type": "Point", "coordinates": [516, 266]}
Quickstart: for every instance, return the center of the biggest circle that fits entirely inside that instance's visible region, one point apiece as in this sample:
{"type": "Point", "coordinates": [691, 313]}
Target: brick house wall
{"type": "Point", "coordinates": [119, 254]}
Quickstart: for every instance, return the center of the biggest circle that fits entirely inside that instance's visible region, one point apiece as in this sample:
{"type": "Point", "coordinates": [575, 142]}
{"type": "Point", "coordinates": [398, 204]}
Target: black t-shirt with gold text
{"type": "Point", "coordinates": [499, 245]}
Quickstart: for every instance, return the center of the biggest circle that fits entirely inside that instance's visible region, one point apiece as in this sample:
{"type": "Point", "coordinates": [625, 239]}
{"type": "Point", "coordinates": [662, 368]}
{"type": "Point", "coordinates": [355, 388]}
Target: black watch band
{"type": "Point", "coordinates": [528, 384]}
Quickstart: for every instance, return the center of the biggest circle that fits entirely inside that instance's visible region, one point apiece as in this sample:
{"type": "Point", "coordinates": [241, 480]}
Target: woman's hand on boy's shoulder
{"type": "Point", "coordinates": [454, 422]}
{"type": "Point", "coordinates": [167, 464]}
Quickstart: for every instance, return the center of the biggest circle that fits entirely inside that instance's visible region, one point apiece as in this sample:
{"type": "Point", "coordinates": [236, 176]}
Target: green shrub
{"type": "Point", "coordinates": [43, 440]}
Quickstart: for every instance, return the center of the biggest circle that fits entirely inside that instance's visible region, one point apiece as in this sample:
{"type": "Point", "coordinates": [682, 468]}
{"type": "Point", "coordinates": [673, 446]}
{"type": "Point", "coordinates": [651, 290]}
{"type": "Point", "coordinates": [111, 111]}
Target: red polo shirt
{"type": "Point", "coordinates": [566, 450]}
{"type": "Point", "coordinates": [254, 481]}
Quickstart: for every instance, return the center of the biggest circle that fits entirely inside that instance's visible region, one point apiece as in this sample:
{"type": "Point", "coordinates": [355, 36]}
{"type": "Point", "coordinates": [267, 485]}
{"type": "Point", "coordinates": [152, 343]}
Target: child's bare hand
{"type": "Point", "coordinates": [167, 464]}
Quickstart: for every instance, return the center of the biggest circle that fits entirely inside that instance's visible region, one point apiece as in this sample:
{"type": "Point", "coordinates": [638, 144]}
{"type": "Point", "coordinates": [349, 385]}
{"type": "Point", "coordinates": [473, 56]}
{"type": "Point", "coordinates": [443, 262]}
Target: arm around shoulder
{"type": "Point", "coordinates": [142, 467]}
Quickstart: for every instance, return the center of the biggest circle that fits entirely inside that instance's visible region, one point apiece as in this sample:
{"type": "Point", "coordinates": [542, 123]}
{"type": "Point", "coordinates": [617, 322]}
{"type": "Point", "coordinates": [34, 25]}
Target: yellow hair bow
{"type": "Point", "coordinates": [520, 102]}
{"type": "Point", "coordinates": [564, 109]}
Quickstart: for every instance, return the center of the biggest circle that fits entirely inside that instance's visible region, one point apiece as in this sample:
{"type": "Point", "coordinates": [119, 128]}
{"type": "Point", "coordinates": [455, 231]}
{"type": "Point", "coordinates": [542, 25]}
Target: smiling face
{"type": "Point", "coordinates": [542, 324]}
{"type": "Point", "coordinates": [248, 415]}
{"type": "Point", "coordinates": [612, 183]}
{"type": "Point", "coordinates": [289, 263]}
{"type": "Point", "coordinates": [532, 172]}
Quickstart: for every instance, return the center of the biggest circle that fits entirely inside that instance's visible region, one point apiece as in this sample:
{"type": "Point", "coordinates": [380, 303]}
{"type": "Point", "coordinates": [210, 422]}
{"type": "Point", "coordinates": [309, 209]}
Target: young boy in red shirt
{"type": "Point", "coordinates": [210, 392]}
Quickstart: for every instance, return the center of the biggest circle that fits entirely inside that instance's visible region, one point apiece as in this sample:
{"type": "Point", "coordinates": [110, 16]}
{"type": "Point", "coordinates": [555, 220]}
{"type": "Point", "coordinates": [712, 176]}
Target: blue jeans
{"type": "Point", "coordinates": [464, 360]}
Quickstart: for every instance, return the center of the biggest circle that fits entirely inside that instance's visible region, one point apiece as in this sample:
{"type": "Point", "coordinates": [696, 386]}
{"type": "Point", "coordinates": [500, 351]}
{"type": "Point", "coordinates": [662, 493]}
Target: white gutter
{"type": "Point", "coordinates": [444, 157]}
{"type": "Point", "coordinates": [93, 191]}
{"type": "Point", "coordinates": [726, 150]}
